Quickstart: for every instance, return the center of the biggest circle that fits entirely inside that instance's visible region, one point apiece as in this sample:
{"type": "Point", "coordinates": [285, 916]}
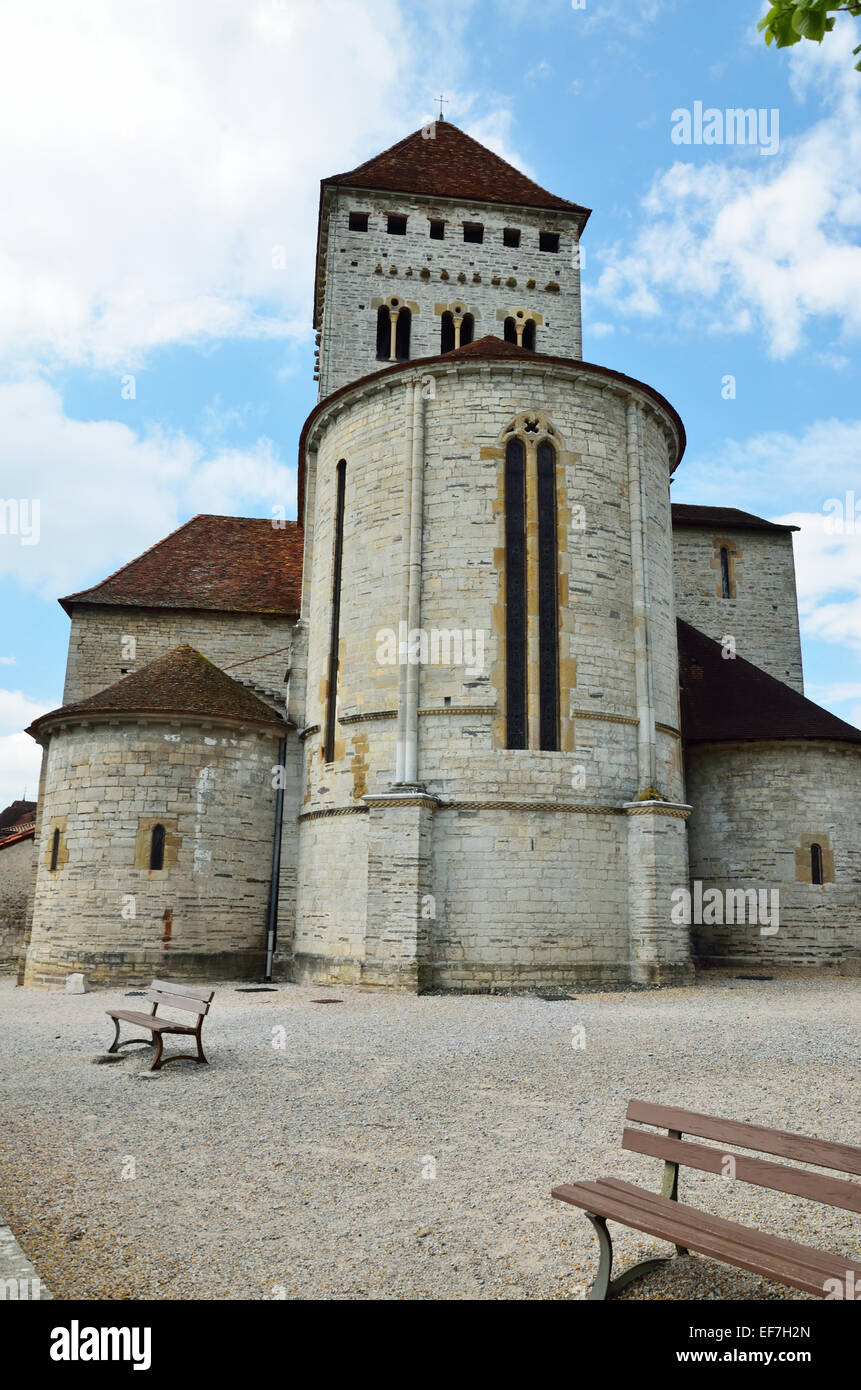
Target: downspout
{"type": "Point", "coordinates": [645, 737]}
{"type": "Point", "coordinates": [415, 572]}
{"type": "Point", "coordinates": [404, 616]}
{"type": "Point", "coordinates": [272, 923]}
{"type": "Point", "coordinates": [647, 599]}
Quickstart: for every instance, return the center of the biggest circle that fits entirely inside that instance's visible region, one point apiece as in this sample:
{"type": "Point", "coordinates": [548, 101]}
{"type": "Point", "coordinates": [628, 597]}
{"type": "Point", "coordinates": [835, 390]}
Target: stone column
{"type": "Point", "coordinates": [400, 909]}
{"type": "Point", "coordinates": [646, 756]}
{"type": "Point", "coordinates": [657, 864]}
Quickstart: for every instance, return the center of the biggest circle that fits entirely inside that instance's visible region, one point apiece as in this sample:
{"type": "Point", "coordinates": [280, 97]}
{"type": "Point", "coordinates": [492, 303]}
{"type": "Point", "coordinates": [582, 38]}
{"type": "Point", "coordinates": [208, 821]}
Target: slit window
{"type": "Point", "coordinates": [467, 330]}
{"type": "Point", "coordinates": [529, 335]}
{"type": "Point", "coordinates": [437, 229]}
{"type": "Point", "coordinates": [55, 850]}
{"type": "Point", "coordinates": [510, 330]}
{"type": "Point", "coordinates": [511, 236]}
{"type": "Point", "coordinates": [402, 335]}
{"type": "Point", "coordinates": [548, 241]}
{"type": "Point", "coordinates": [725, 578]}
{"type": "Point", "coordinates": [816, 864]}
{"type": "Point", "coordinates": [396, 224]}
{"type": "Point", "coordinates": [156, 847]}
{"type": "Point", "coordinates": [548, 639]}
{"type": "Point", "coordinates": [335, 628]}
{"type": "Point", "coordinates": [446, 337]}
{"type": "Point", "coordinates": [515, 593]}
{"type": "Point", "coordinates": [384, 333]}
{"type": "Point", "coordinates": [473, 231]}
{"type": "Point", "coordinates": [358, 221]}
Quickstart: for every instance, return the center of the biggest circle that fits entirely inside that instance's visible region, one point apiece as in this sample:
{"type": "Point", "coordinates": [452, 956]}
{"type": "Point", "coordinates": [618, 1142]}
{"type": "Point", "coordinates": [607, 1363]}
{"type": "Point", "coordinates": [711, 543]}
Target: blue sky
{"type": "Point", "coordinates": [155, 155]}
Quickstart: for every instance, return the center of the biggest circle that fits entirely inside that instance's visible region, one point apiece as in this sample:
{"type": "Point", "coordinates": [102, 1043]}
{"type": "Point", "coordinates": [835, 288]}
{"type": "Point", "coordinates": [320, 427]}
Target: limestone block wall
{"type": "Point", "coordinates": [16, 866]}
{"type": "Point", "coordinates": [260, 642]}
{"type": "Point", "coordinates": [757, 809]}
{"type": "Point", "coordinates": [103, 911]}
{"type": "Point", "coordinates": [364, 269]}
{"type": "Point", "coordinates": [762, 615]}
{"type": "Point", "coordinates": [528, 850]}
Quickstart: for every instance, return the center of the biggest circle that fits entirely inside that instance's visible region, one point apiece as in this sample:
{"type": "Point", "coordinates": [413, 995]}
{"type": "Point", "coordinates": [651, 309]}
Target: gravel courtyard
{"type": "Point", "coordinates": [298, 1171]}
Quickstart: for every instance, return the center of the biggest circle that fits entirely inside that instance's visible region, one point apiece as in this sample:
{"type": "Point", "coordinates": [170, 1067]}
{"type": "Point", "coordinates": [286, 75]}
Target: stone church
{"type": "Point", "coordinates": [484, 714]}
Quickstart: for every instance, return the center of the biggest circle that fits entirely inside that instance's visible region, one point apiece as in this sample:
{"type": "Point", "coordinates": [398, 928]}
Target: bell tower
{"type": "Point", "coordinates": [434, 244]}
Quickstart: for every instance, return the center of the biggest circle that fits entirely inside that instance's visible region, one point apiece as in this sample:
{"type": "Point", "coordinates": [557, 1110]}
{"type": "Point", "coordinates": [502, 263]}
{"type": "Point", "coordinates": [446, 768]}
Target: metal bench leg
{"type": "Point", "coordinates": [114, 1047]}
{"type": "Point", "coordinates": [157, 1063]}
{"type": "Point", "coordinates": [601, 1285]}
{"type": "Point", "coordinates": [200, 1056]}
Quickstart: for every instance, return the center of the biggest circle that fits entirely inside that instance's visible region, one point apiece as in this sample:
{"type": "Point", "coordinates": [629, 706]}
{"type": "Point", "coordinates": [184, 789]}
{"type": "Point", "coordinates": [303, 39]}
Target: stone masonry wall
{"type": "Point", "coordinates": [428, 275]}
{"type": "Point", "coordinates": [260, 641]}
{"type": "Point", "coordinates": [16, 865]}
{"type": "Point", "coordinates": [102, 910]}
{"type": "Point", "coordinates": [757, 809]}
{"type": "Point", "coordinates": [763, 614]}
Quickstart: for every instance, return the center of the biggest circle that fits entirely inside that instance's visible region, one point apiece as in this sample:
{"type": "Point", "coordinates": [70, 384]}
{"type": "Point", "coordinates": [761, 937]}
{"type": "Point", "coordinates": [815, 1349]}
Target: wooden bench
{"type": "Point", "coordinates": [189, 998]}
{"type": "Point", "coordinates": [690, 1229]}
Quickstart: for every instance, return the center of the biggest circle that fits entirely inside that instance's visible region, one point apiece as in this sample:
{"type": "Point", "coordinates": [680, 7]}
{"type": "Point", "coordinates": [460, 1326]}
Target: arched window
{"type": "Point", "coordinates": [467, 330]}
{"type": "Point", "coordinates": [402, 335]}
{"type": "Point", "coordinates": [548, 623]}
{"type": "Point", "coordinates": [384, 333]}
{"type": "Point", "coordinates": [156, 847]}
{"type": "Point", "coordinates": [816, 864]}
{"type": "Point", "coordinates": [446, 337]}
{"type": "Point", "coordinates": [725, 579]}
{"type": "Point", "coordinates": [529, 335]}
{"type": "Point", "coordinates": [335, 627]}
{"type": "Point", "coordinates": [55, 850]}
{"type": "Point", "coordinates": [510, 330]}
{"type": "Point", "coordinates": [515, 593]}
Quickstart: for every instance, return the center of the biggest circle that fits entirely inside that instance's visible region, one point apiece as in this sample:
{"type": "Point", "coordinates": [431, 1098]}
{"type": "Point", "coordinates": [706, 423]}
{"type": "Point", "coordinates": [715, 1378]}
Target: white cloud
{"type": "Point", "coordinates": [20, 755]}
{"type": "Point", "coordinates": [822, 461]}
{"type": "Point", "coordinates": [105, 492]}
{"type": "Point", "coordinates": [828, 575]}
{"type": "Point", "coordinates": [155, 153]}
{"type": "Point", "coordinates": [738, 244]}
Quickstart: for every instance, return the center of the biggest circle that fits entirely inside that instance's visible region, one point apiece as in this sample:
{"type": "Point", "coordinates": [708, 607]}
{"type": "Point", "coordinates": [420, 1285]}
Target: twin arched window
{"type": "Point", "coordinates": [456, 330]}
{"type": "Point", "coordinates": [394, 321]}
{"type": "Point", "coordinates": [520, 329]}
{"type": "Point", "coordinates": [532, 695]}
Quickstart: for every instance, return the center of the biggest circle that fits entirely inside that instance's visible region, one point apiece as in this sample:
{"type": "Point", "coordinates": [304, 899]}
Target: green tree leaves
{"type": "Point", "coordinates": [790, 21]}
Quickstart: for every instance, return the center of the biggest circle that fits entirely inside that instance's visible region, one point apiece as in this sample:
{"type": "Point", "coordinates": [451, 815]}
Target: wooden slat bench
{"type": "Point", "coordinates": [690, 1229]}
{"type": "Point", "coordinates": [189, 998]}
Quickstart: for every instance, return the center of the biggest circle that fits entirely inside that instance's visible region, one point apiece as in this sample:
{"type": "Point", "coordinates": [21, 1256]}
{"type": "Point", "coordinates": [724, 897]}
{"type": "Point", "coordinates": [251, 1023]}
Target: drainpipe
{"type": "Point", "coordinates": [272, 923]}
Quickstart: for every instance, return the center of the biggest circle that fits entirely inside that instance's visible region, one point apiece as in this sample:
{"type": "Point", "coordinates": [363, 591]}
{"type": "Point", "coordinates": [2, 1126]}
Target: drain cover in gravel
{"type": "Point", "coordinates": [327, 1001]}
{"type": "Point", "coordinates": [754, 977]}
{"type": "Point", "coordinates": [256, 989]}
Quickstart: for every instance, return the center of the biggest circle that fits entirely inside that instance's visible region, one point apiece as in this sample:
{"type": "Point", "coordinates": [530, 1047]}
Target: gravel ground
{"type": "Point", "coordinates": [297, 1171]}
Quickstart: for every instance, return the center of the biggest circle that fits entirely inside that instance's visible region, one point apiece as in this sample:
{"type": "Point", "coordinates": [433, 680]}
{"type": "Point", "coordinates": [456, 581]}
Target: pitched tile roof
{"type": "Point", "coordinates": [29, 833]}
{"type": "Point", "coordinates": [486, 348]}
{"type": "Point", "coordinates": [183, 682]}
{"type": "Point", "coordinates": [452, 165]}
{"type": "Point", "coordinates": [726, 518]}
{"type": "Point", "coordinates": [17, 811]}
{"type": "Point", "coordinates": [724, 701]}
{"type": "Point", "coordinates": [233, 564]}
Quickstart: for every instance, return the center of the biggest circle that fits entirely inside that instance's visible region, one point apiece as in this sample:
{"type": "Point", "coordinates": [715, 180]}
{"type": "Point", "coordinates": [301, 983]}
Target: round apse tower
{"type": "Point", "coordinates": [493, 773]}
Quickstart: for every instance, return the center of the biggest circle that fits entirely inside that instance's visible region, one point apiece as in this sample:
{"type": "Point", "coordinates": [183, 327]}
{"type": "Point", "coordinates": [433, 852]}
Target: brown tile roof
{"type": "Point", "coordinates": [28, 833]}
{"type": "Point", "coordinates": [17, 811]}
{"type": "Point", "coordinates": [726, 518]}
{"type": "Point", "coordinates": [723, 701]}
{"type": "Point", "coordinates": [452, 165]}
{"type": "Point", "coordinates": [183, 682]}
{"type": "Point", "coordinates": [486, 348]}
{"type": "Point", "coordinates": [233, 564]}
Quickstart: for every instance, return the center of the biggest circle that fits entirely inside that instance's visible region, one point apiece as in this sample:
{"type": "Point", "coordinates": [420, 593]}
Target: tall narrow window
{"type": "Point", "coordinates": [510, 330]}
{"type": "Point", "coordinates": [548, 634]}
{"type": "Point", "coordinates": [156, 847]}
{"type": "Point", "coordinates": [384, 334]}
{"type": "Point", "coordinates": [725, 581]}
{"type": "Point", "coordinates": [402, 335]}
{"type": "Point", "coordinates": [467, 330]}
{"type": "Point", "coordinates": [446, 337]}
{"type": "Point", "coordinates": [335, 629]}
{"type": "Point", "coordinates": [515, 592]}
{"type": "Point", "coordinates": [529, 334]}
{"type": "Point", "coordinates": [816, 864]}
{"type": "Point", "coordinates": [55, 850]}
